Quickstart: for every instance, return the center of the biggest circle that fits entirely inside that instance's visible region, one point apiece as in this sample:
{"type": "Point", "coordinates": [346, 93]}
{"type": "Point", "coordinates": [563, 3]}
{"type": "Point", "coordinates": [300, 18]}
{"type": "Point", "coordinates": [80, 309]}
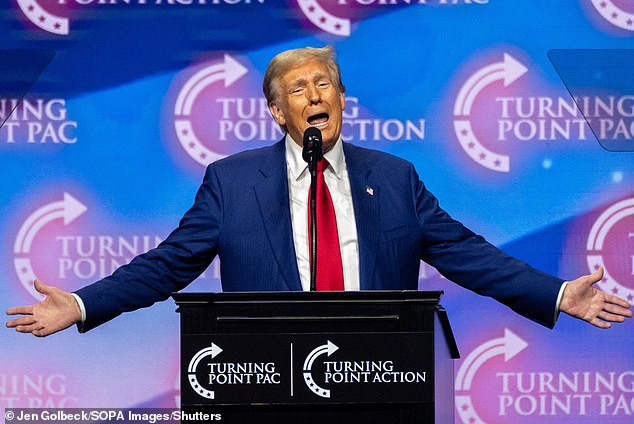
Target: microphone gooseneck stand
{"type": "Point", "coordinates": [313, 153]}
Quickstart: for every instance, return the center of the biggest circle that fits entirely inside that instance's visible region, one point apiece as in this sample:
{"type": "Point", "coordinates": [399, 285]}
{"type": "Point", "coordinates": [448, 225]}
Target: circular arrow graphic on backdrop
{"type": "Point", "coordinates": [509, 70]}
{"type": "Point", "coordinates": [44, 19]}
{"type": "Point", "coordinates": [596, 240]}
{"type": "Point", "coordinates": [229, 72]}
{"type": "Point", "coordinates": [324, 20]}
{"type": "Point", "coordinates": [329, 348]}
{"type": "Point", "coordinates": [614, 14]}
{"type": "Point", "coordinates": [212, 351]}
{"type": "Point", "coordinates": [67, 209]}
{"type": "Point", "coordinates": [508, 346]}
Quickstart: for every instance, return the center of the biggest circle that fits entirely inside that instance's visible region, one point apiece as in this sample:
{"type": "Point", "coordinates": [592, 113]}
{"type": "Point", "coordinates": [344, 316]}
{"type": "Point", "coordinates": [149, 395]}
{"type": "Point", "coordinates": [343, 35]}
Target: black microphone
{"type": "Point", "coordinates": [312, 153]}
{"type": "Point", "coordinates": [313, 147]}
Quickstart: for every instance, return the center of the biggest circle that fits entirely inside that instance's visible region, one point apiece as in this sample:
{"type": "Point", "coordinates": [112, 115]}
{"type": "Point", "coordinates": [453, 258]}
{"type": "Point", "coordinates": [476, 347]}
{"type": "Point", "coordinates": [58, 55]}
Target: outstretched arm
{"type": "Point", "coordinates": [581, 300]}
{"type": "Point", "coordinates": [58, 311]}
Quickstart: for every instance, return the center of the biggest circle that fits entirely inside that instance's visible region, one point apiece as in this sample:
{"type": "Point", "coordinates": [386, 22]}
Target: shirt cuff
{"type": "Point", "coordinates": [82, 308]}
{"type": "Point", "coordinates": [559, 297]}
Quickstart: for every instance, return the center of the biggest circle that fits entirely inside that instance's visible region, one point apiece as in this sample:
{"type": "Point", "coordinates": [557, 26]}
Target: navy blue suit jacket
{"type": "Point", "coordinates": [242, 213]}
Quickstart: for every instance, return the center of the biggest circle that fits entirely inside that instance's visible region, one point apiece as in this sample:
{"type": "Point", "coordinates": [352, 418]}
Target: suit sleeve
{"type": "Point", "coordinates": [155, 275]}
{"type": "Point", "coordinates": [470, 261]}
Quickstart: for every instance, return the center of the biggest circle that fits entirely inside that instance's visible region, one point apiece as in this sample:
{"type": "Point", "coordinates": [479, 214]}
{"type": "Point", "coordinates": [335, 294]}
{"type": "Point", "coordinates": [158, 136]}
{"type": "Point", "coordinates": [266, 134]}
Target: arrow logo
{"type": "Point", "coordinates": [212, 351]}
{"type": "Point", "coordinates": [508, 346]}
{"type": "Point", "coordinates": [329, 348]}
{"type": "Point", "coordinates": [67, 209]}
{"type": "Point", "coordinates": [509, 71]}
{"type": "Point", "coordinates": [229, 72]}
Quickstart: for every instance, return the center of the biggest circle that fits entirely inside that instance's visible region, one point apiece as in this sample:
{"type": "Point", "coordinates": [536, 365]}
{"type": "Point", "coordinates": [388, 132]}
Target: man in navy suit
{"type": "Point", "coordinates": [251, 211]}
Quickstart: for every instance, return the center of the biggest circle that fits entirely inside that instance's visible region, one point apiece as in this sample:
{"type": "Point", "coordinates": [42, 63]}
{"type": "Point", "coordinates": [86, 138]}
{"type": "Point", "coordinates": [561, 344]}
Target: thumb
{"type": "Point", "coordinates": [595, 277]}
{"type": "Point", "coordinates": [41, 287]}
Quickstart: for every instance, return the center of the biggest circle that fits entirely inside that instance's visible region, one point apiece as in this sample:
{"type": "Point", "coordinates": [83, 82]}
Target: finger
{"type": "Point", "coordinates": [29, 328]}
{"type": "Point", "coordinates": [20, 310]}
{"type": "Point", "coordinates": [41, 287]}
{"type": "Point", "coordinates": [618, 310]}
{"type": "Point", "coordinates": [607, 316]}
{"type": "Point", "coordinates": [618, 301]}
{"type": "Point", "coordinates": [21, 321]}
{"type": "Point", "coordinates": [601, 324]}
{"type": "Point", "coordinates": [41, 333]}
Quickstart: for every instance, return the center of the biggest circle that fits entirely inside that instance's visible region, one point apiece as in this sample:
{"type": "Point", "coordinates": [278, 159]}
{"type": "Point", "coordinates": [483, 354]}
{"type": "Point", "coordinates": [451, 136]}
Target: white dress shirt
{"type": "Point", "coordinates": [336, 177]}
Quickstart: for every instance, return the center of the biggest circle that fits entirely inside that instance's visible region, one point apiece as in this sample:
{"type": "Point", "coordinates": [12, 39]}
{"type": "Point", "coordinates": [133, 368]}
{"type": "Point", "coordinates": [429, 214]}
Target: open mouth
{"type": "Point", "coordinates": [318, 119]}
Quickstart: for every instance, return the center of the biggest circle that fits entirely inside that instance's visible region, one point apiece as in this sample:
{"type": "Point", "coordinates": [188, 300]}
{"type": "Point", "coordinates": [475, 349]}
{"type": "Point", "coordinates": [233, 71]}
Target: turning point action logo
{"type": "Point", "coordinates": [214, 110]}
{"type": "Point", "coordinates": [346, 372]}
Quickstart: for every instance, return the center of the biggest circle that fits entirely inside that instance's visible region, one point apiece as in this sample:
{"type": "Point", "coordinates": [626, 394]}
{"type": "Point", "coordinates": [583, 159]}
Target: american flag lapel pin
{"type": "Point", "coordinates": [369, 190]}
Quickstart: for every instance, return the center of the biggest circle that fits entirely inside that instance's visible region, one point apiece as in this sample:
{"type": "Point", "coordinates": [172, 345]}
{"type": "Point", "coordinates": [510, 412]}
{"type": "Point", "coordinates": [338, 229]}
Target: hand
{"type": "Point", "coordinates": [583, 301]}
{"type": "Point", "coordinates": [59, 310]}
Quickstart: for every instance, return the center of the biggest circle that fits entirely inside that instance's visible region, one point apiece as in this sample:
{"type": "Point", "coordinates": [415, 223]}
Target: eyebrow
{"type": "Point", "coordinates": [316, 77]}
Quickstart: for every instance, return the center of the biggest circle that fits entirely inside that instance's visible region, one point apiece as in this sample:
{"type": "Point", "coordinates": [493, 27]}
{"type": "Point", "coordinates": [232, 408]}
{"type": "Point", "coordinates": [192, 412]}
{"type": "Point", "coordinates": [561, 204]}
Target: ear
{"type": "Point", "coordinates": [342, 101]}
{"type": "Point", "coordinates": [277, 113]}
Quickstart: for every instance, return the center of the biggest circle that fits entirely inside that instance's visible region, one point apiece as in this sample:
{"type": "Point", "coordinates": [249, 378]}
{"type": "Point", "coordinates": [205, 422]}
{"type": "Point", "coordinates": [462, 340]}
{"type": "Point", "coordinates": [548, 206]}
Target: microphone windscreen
{"type": "Point", "coordinates": [311, 134]}
{"type": "Point", "coordinates": [312, 145]}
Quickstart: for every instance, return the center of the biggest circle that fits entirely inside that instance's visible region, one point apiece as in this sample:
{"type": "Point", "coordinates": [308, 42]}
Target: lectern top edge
{"type": "Point", "coordinates": [431, 297]}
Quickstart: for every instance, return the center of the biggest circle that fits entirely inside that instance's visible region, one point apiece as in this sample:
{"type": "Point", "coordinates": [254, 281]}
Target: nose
{"type": "Point", "coordinates": [313, 94]}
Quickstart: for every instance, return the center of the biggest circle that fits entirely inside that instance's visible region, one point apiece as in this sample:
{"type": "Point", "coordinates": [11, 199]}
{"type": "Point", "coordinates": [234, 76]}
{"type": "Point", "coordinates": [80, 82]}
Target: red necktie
{"type": "Point", "coordinates": [329, 266]}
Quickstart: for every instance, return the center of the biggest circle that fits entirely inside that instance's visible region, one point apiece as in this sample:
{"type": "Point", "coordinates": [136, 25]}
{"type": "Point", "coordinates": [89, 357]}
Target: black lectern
{"type": "Point", "coordinates": [320, 357]}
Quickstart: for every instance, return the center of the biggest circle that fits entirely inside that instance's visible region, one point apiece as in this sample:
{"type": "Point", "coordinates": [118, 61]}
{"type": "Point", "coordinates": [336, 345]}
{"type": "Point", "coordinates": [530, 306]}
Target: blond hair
{"type": "Point", "coordinates": [288, 59]}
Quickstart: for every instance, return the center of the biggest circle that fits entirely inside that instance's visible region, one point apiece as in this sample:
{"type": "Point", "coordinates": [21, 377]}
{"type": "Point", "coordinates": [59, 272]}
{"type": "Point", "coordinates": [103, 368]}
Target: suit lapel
{"type": "Point", "coordinates": [365, 198]}
{"type": "Point", "coordinates": [273, 199]}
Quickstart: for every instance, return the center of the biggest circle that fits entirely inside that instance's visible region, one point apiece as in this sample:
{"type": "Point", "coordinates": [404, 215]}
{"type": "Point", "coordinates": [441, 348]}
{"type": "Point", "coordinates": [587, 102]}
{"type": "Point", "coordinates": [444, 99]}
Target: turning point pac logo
{"type": "Point", "coordinates": [517, 391]}
{"type": "Point", "coordinates": [508, 70]}
{"type": "Point", "coordinates": [501, 113]}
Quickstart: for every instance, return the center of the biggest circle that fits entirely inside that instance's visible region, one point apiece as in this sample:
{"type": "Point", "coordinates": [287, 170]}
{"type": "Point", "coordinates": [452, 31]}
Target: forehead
{"type": "Point", "coordinates": [306, 70]}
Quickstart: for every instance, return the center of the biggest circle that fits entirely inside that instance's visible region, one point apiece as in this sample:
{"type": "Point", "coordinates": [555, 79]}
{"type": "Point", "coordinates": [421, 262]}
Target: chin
{"type": "Point", "coordinates": [328, 145]}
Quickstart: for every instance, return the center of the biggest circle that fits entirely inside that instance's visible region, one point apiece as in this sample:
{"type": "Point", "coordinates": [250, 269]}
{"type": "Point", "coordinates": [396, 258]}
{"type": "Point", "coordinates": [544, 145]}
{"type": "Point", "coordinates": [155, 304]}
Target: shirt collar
{"type": "Point", "coordinates": [297, 166]}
